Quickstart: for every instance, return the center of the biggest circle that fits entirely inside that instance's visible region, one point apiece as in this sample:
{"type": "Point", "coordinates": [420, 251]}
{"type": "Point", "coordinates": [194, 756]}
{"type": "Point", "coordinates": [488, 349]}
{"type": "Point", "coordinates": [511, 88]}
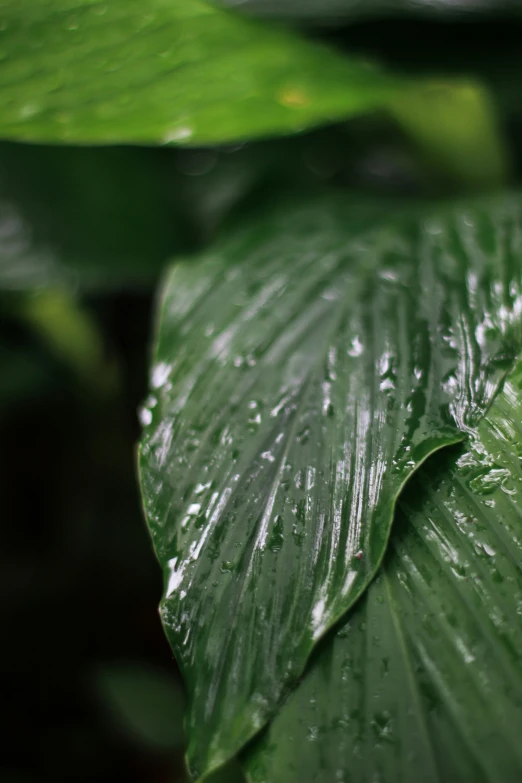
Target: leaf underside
{"type": "Point", "coordinates": [168, 71]}
{"type": "Point", "coordinates": [304, 369]}
{"type": "Point", "coordinates": [422, 684]}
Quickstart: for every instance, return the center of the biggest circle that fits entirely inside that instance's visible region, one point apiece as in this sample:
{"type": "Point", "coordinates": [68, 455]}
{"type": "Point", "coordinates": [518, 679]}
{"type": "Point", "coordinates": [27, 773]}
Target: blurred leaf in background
{"type": "Point", "coordinates": [83, 216]}
{"type": "Point", "coordinates": [146, 704]}
{"type": "Point", "coordinates": [182, 71]}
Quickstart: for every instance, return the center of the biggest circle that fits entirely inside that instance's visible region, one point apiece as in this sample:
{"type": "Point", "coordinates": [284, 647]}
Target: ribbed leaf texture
{"type": "Point", "coordinates": [423, 683]}
{"type": "Point", "coordinates": [304, 369]}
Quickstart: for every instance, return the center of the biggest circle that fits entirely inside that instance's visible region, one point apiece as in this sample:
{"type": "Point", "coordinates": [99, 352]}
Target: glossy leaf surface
{"type": "Point", "coordinates": [423, 683]}
{"type": "Point", "coordinates": [331, 11]}
{"type": "Point", "coordinates": [305, 367]}
{"type": "Point", "coordinates": [167, 71]}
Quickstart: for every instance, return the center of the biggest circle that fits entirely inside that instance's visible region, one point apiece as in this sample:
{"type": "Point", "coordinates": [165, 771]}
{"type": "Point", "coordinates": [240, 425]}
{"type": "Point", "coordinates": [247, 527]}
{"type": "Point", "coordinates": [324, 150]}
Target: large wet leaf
{"type": "Point", "coordinates": [424, 681]}
{"type": "Point", "coordinates": [166, 71]}
{"type": "Point", "coordinates": [343, 11]}
{"type": "Point", "coordinates": [304, 368]}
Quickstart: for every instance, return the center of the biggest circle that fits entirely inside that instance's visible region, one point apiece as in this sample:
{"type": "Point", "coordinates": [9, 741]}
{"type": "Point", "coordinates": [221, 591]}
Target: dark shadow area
{"type": "Point", "coordinates": [79, 581]}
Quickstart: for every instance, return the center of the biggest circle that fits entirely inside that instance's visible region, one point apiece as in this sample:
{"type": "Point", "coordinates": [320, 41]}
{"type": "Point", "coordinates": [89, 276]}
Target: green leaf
{"type": "Point", "coordinates": [343, 11]}
{"type": "Point", "coordinates": [232, 772]}
{"type": "Point", "coordinates": [424, 680]}
{"type": "Point", "coordinates": [71, 216]}
{"type": "Point", "coordinates": [145, 703]}
{"type": "Point", "coordinates": [415, 49]}
{"type": "Point", "coordinates": [455, 125]}
{"type": "Point", "coordinates": [26, 372]}
{"type": "Point", "coordinates": [71, 334]}
{"type": "Point", "coordinates": [305, 367]}
{"type": "Point", "coordinates": [168, 71]}
{"type": "Point", "coordinates": [50, 343]}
